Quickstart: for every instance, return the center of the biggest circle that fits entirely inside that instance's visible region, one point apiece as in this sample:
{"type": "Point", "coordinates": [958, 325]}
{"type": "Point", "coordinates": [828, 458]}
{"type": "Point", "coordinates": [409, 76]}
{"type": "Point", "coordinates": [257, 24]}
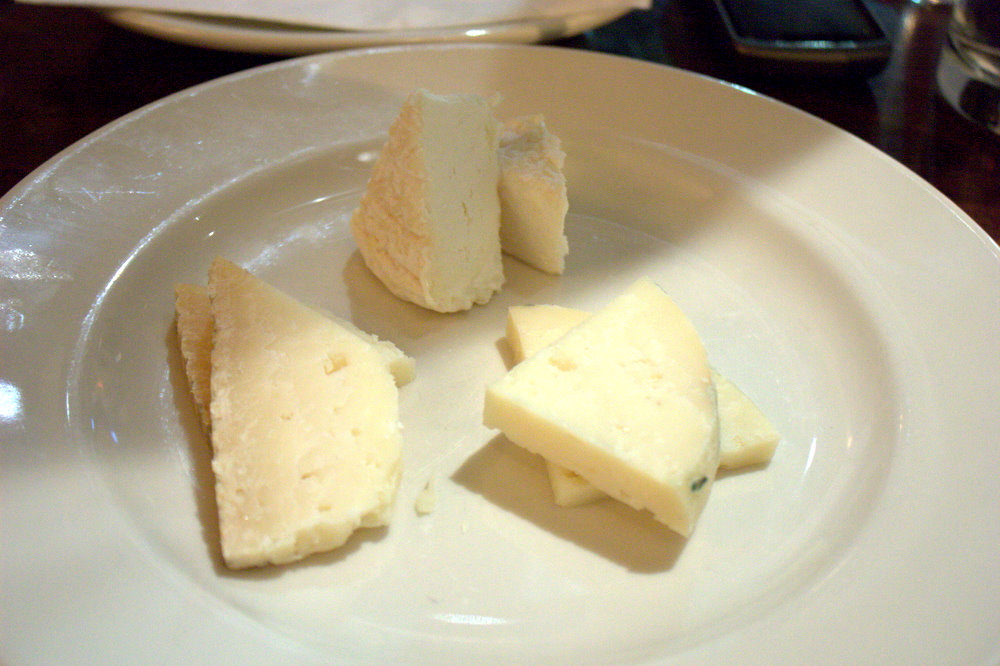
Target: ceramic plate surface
{"type": "Point", "coordinates": [856, 305]}
{"type": "Point", "coordinates": [266, 37]}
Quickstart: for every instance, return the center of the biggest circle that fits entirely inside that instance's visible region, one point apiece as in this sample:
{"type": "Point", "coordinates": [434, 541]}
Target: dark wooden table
{"type": "Point", "coordinates": [66, 72]}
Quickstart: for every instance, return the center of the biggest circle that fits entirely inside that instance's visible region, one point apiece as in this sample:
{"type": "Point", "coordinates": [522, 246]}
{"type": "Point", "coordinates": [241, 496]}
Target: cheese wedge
{"type": "Point", "coordinates": [625, 399]}
{"type": "Point", "coordinates": [305, 429]}
{"type": "Point", "coordinates": [194, 328]}
{"type": "Point", "coordinates": [428, 222]}
{"type": "Point", "coordinates": [533, 201]}
{"type": "Point", "coordinates": [746, 437]}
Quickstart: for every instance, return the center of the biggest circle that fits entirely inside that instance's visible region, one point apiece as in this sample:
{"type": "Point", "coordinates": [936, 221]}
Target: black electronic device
{"type": "Point", "coordinates": [822, 34]}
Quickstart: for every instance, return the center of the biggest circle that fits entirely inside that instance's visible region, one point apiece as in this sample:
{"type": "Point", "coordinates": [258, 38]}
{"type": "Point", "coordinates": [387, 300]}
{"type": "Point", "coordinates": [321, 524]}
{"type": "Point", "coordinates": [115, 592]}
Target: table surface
{"type": "Point", "coordinates": [65, 72]}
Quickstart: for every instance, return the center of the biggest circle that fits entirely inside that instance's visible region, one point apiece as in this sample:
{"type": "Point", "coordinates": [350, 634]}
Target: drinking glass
{"type": "Point", "coordinates": [968, 73]}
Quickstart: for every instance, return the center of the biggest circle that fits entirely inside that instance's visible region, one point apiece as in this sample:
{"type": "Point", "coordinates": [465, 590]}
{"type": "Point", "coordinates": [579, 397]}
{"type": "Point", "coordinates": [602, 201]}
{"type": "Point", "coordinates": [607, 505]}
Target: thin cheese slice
{"type": "Point", "coordinates": [194, 329]}
{"type": "Point", "coordinates": [746, 437]}
{"type": "Point", "coordinates": [626, 400]}
{"type": "Point", "coordinates": [428, 225]}
{"type": "Point", "coordinates": [305, 430]}
{"type": "Point", "coordinates": [533, 200]}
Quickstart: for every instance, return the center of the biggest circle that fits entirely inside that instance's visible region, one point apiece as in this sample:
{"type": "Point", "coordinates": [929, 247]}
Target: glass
{"type": "Point", "coordinates": [968, 73]}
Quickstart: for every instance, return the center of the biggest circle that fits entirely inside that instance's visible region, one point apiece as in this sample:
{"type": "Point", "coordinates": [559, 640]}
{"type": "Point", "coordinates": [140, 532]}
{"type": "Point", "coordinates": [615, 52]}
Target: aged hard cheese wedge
{"type": "Point", "coordinates": [746, 437]}
{"type": "Point", "coordinates": [305, 428]}
{"type": "Point", "coordinates": [428, 223]}
{"type": "Point", "coordinates": [625, 399]}
{"type": "Point", "coordinates": [194, 328]}
{"type": "Point", "coordinates": [533, 201]}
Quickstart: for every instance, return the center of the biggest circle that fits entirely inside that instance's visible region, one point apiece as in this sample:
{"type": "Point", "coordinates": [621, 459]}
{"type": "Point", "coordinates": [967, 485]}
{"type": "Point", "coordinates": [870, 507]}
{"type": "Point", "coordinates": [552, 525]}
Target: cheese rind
{"type": "Point", "coordinates": [428, 223]}
{"type": "Point", "coordinates": [625, 399]}
{"type": "Point", "coordinates": [533, 200]}
{"type": "Point", "coordinates": [746, 437]}
{"type": "Point", "coordinates": [305, 430]}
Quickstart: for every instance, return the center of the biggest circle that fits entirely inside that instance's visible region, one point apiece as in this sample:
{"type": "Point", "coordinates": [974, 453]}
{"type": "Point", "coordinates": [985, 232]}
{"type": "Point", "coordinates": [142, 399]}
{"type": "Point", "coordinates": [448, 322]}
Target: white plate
{"type": "Point", "coordinates": [266, 37]}
{"type": "Point", "coordinates": [849, 298]}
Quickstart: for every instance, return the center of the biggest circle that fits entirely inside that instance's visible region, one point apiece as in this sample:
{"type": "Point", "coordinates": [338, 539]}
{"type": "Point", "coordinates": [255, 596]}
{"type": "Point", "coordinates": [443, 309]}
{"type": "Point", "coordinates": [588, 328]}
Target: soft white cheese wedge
{"type": "Point", "coordinates": [746, 437]}
{"type": "Point", "coordinates": [533, 201]}
{"type": "Point", "coordinates": [428, 222]}
{"type": "Point", "coordinates": [305, 429]}
{"type": "Point", "coordinates": [194, 329]}
{"type": "Point", "coordinates": [624, 399]}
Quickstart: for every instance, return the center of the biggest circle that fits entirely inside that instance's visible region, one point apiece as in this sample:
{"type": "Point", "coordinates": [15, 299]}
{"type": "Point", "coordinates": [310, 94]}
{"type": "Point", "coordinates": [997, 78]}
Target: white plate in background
{"type": "Point", "coordinates": [855, 304]}
{"type": "Point", "coordinates": [266, 37]}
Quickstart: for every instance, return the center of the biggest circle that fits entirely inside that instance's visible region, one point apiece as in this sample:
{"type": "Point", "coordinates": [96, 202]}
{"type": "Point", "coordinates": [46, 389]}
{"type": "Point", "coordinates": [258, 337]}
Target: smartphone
{"type": "Point", "coordinates": [837, 34]}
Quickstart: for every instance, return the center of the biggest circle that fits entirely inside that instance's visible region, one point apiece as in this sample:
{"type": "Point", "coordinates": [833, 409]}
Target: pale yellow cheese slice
{"type": "Point", "coordinates": [746, 436]}
{"type": "Point", "coordinates": [305, 430]}
{"type": "Point", "coordinates": [625, 399]}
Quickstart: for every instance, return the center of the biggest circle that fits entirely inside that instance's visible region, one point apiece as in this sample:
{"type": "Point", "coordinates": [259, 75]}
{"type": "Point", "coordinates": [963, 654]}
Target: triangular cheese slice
{"type": "Point", "coordinates": [746, 436]}
{"type": "Point", "coordinates": [624, 399]}
{"type": "Point", "coordinates": [305, 429]}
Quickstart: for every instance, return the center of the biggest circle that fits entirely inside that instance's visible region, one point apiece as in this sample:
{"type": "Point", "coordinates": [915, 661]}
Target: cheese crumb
{"type": "Point", "coordinates": [427, 499]}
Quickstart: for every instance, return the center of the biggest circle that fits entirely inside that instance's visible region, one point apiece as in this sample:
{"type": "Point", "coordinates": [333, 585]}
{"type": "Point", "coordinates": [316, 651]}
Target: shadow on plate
{"type": "Point", "coordinates": [515, 480]}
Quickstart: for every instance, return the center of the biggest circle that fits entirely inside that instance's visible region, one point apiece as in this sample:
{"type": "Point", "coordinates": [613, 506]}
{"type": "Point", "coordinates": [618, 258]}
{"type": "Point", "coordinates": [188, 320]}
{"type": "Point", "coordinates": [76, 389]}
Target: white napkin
{"type": "Point", "coordinates": [372, 15]}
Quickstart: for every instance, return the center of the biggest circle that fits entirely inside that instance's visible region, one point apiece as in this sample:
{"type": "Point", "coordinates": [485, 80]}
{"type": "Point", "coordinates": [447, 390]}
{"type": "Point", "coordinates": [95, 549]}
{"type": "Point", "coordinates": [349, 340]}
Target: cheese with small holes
{"type": "Point", "coordinates": [746, 436]}
{"type": "Point", "coordinates": [194, 330]}
{"type": "Point", "coordinates": [624, 399]}
{"type": "Point", "coordinates": [533, 201]}
{"type": "Point", "coordinates": [428, 225]}
{"type": "Point", "coordinates": [306, 437]}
